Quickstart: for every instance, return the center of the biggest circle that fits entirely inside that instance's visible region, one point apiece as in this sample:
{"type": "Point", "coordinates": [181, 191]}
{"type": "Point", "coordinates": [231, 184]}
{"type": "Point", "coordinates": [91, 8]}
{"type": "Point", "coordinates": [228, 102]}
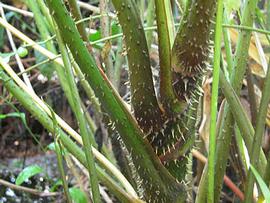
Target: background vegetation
{"type": "Point", "coordinates": [134, 101]}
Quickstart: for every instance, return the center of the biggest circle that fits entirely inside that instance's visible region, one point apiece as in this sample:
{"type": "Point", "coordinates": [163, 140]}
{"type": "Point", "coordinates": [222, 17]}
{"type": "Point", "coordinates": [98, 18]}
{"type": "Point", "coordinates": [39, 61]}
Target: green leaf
{"type": "Point", "coordinates": [265, 190]}
{"type": "Point", "coordinates": [14, 114]}
{"type": "Point", "coordinates": [27, 173]}
{"type": "Point", "coordinates": [56, 185]}
{"type": "Point", "coordinates": [77, 195]}
{"type": "Point", "coordinates": [52, 147]}
{"type": "Point", "coordinates": [46, 69]}
{"type": "Point", "coordinates": [6, 56]}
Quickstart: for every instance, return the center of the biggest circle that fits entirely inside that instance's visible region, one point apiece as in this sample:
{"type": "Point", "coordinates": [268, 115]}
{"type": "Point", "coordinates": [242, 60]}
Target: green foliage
{"type": "Point", "coordinates": [77, 195]}
{"type": "Point", "coordinates": [45, 69]}
{"type": "Point", "coordinates": [264, 188]}
{"type": "Point", "coordinates": [27, 173]}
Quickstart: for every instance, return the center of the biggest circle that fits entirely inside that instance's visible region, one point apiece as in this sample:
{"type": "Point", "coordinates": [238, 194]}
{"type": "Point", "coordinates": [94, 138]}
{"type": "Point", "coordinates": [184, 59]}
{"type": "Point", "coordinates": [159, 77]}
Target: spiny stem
{"type": "Point", "coordinates": [143, 98]}
{"type": "Point", "coordinates": [168, 98]}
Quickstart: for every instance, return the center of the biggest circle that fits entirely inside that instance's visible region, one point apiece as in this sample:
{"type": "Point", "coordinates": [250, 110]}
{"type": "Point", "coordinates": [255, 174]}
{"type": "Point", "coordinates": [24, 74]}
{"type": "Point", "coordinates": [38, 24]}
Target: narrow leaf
{"type": "Point", "coordinates": [265, 190]}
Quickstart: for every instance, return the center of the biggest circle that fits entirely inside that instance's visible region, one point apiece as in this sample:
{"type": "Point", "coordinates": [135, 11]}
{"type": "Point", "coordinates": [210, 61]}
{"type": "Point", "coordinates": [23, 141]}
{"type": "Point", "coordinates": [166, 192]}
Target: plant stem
{"type": "Point", "coordinates": [143, 98]}
{"type": "Point", "coordinates": [58, 150]}
{"type": "Point", "coordinates": [168, 98]}
{"type": "Point", "coordinates": [214, 101]}
{"type": "Point", "coordinates": [78, 111]}
{"type": "Point", "coordinates": [75, 10]}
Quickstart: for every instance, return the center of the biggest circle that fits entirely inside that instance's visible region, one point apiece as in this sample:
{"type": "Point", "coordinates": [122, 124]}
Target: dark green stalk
{"type": "Point", "coordinates": [191, 45]}
{"type": "Point", "coordinates": [143, 98]}
{"type": "Point", "coordinates": [88, 140]}
{"type": "Point", "coordinates": [257, 140]}
{"type": "Point", "coordinates": [157, 182]}
{"type": "Point", "coordinates": [168, 98]}
{"type": "Point", "coordinates": [76, 13]}
{"type": "Point", "coordinates": [27, 102]}
{"type": "Point", "coordinates": [214, 102]}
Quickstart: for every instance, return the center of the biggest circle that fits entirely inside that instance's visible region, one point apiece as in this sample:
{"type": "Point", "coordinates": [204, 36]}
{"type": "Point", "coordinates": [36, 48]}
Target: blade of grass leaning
{"type": "Point", "coordinates": [265, 190]}
{"type": "Point", "coordinates": [227, 44]}
{"type": "Point", "coordinates": [88, 140]}
{"type": "Point", "coordinates": [214, 102]}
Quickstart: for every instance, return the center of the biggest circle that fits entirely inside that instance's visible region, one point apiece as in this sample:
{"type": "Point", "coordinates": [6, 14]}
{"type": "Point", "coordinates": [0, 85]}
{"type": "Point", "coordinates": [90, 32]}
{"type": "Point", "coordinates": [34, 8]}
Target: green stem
{"type": "Point", "coordinates": [45, 35]}
{"type": "Point", "coordinates": [46, 13]}
{"type": "Point", "coordinates": [143, 98]}
{"type": "Point", "coordinates": [168, 98]}
{"type": "Point", "coordinates": [214, 101]}
{"type": "Point", "coordinates": [75, 10]}
{"type": "Point", "coordinates": [247, 28]}
{"type": "Point", "coordinates": [241, 119]}
{"type": "Point", "coordinates": [259, 132]}
{"type": "Point", "coordinates": [88, 141]}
